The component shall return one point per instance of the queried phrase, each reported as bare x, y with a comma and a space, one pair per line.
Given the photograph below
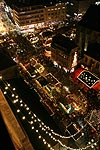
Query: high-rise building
32, 12
64, 52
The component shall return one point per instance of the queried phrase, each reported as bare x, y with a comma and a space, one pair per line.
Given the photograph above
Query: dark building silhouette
88, 38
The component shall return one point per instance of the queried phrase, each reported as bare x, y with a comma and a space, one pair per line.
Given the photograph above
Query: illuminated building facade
64, 52
25, 14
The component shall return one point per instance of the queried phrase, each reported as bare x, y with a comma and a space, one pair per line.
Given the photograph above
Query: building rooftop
25, 3
64, 43
91, 19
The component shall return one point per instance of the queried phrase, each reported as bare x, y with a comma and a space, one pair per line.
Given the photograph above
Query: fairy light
27, 108
32, 117
29, 113
32, 127
13, 89
5, 92
25, 105
16, 96
37, 131
12, 95
18, 110
92, 146
31, 122
92, 140
39, 136
6, 87
23, 117
21, 105
15, 101
48, 128
0, 77
49, 145
8, 84
20, 101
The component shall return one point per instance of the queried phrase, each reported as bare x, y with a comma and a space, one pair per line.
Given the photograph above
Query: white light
32, 117
23, 117
18, 110
16, 96
45, 142
32, 128
27, 108
39, 120
0, 77
82, 134
92, 140
35, 120
92, 146
29, 113
36, 130
21, 105
5, 92
49, 145
12, 95
8, 84
39, 137
14, 89
21, 101
31, 122
25, 105
6, 87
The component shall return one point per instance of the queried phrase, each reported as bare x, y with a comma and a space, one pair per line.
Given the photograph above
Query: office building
28, 12
64, 52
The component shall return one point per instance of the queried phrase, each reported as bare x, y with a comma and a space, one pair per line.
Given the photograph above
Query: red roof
97, 86
76, 73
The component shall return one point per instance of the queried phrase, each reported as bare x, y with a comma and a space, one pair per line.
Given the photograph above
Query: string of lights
32, 119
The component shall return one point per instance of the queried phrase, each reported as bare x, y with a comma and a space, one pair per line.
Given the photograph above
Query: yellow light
0, 77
